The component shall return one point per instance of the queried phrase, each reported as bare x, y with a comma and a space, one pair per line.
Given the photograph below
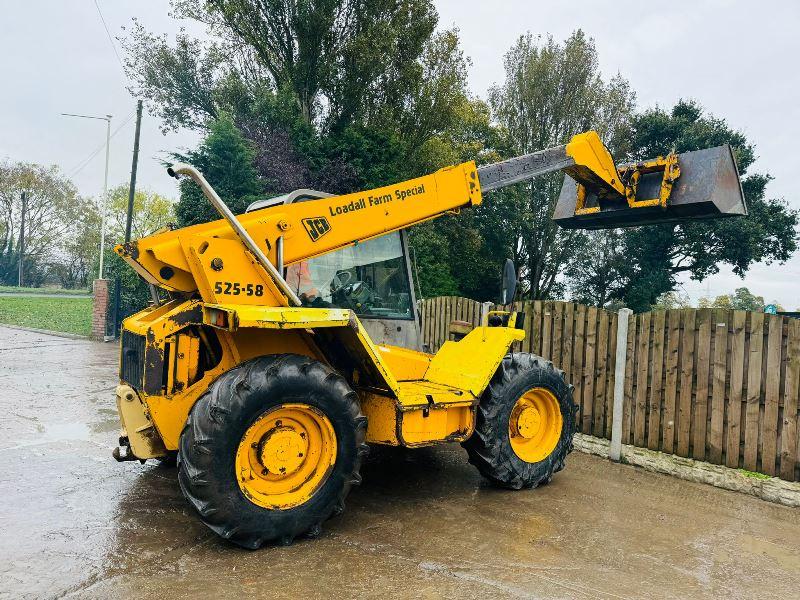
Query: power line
85, 162
81, 165
110, 38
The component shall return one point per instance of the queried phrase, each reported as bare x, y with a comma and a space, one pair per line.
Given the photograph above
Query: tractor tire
498, 448
214, 445
169, 460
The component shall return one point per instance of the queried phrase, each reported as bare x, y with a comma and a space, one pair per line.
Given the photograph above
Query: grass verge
65, 314
753, 474
49, 291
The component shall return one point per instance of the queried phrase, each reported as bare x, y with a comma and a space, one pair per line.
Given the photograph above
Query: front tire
524, 423
271, 449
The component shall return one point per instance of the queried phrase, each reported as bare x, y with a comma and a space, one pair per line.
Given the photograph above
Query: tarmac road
74, 523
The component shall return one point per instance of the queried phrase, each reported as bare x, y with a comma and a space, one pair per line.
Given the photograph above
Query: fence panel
789, 439
769, 432
654, 403
719, 326
630, 364
754, 359
611, 368
578, 353
702, 368
568, 345
670, 395
716, 385
733, 446
601, 373
642, 370
687, 381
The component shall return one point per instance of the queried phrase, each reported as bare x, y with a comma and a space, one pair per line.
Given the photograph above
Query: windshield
370, 278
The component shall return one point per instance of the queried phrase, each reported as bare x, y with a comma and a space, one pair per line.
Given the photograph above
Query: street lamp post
104, 202
20, 277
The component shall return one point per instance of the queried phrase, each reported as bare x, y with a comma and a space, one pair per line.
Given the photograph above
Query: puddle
109, 423
56, 432
786, 557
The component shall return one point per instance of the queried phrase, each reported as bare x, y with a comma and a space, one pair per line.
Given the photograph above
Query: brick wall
100, 308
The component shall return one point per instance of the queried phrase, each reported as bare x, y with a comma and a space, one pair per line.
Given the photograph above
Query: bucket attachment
703, 184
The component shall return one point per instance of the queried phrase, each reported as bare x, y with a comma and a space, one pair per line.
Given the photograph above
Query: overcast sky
736, 58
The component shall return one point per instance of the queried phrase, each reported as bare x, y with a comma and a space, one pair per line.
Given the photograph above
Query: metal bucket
708, 188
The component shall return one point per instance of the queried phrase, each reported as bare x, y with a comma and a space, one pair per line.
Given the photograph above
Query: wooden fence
711, 384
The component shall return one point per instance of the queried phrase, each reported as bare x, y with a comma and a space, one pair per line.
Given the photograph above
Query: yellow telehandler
287, 343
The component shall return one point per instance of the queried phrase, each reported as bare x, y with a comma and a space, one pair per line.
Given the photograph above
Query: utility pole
132, 188
129, 219
22, 239
104, 201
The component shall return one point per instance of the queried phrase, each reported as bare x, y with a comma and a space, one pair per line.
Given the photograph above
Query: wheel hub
285, 456
283, 450
535, 424
529, 422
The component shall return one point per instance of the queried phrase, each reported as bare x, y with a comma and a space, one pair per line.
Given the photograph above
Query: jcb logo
316, 227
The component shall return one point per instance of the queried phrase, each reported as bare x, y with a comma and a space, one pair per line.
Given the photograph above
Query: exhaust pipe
183, 169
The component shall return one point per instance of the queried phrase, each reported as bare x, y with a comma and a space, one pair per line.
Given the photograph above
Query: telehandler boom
260, 374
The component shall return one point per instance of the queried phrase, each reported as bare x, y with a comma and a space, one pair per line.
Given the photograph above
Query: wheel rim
534, 426
285, 456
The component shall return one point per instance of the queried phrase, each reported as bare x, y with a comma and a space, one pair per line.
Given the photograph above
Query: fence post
615, 449
485, 308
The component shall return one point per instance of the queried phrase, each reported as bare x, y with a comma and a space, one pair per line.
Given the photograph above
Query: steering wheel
341, 279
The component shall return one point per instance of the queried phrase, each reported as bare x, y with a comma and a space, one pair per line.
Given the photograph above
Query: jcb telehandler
268, 372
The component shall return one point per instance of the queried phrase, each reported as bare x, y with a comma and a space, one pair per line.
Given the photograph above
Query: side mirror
509, 285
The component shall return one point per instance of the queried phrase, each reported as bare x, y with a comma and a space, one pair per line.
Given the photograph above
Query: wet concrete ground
73, 523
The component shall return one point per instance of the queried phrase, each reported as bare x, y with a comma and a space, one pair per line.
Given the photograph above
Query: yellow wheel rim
285, 456
534, 426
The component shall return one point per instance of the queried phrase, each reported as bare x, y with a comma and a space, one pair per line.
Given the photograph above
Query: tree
740, 299
430, 250
463, 254
551, 92
134, 291
671, 300
659, 254
9, 261
226, 160
339, 61
51, 199
151, 212
77, 261
593, 277
51, 203
337, 95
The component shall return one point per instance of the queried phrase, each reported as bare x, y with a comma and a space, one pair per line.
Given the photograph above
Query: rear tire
490, 446
169, 460
223, 415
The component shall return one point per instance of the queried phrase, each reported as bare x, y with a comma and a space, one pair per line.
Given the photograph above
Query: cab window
369, 278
